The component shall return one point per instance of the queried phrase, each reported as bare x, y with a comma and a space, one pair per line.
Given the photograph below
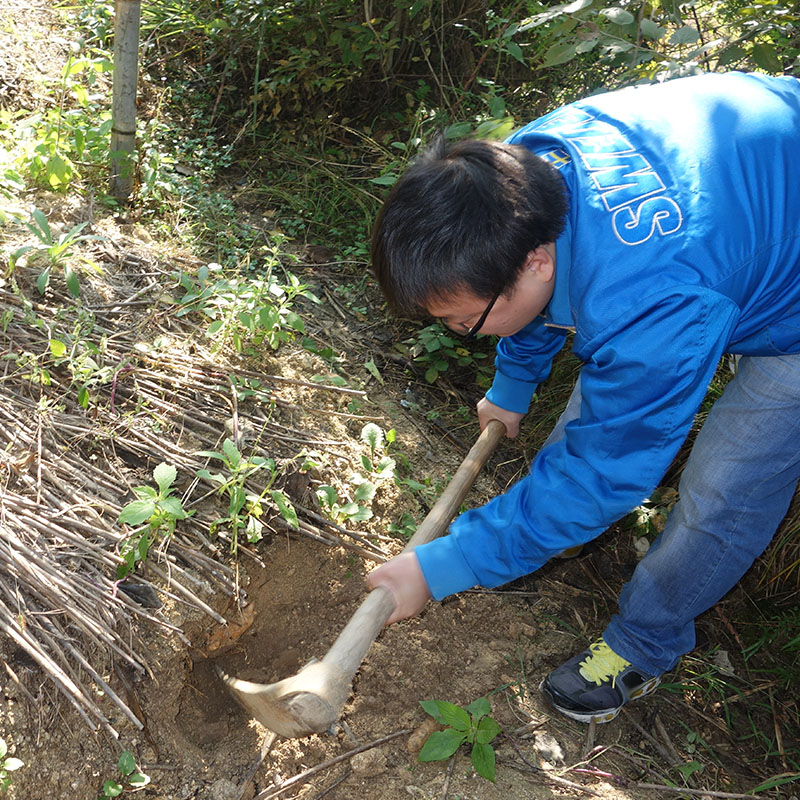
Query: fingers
402, 577
488, 411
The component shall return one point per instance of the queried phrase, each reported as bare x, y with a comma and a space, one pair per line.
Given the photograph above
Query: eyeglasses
473, 331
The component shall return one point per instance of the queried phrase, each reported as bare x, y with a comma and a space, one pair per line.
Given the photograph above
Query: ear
541, 262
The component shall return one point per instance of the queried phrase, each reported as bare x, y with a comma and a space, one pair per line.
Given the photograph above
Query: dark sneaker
595, 684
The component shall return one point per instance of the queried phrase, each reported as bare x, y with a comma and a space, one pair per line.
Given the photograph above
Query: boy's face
512, 311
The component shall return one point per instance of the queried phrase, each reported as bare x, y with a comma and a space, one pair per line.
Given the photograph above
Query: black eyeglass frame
473, 331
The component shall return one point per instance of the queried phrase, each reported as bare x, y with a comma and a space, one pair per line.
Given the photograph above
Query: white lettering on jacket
630, 188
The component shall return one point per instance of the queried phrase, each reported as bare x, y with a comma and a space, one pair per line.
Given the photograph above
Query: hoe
312, 700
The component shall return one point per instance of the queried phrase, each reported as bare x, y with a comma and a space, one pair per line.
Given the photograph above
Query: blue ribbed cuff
511, 394
444, 567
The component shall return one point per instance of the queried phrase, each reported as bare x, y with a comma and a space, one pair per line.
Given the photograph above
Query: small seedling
379, 467
245, 508
469, 725
7, 764
56, 250
131, 779
358, 510
158, 508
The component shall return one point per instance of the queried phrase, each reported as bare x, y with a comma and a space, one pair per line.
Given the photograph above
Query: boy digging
660, 224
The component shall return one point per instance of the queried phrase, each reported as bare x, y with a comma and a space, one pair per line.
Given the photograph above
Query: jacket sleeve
523, 361
641, 386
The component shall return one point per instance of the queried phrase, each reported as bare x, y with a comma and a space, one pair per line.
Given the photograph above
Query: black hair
464, 216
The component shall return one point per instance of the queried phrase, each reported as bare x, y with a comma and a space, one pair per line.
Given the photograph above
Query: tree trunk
123, 111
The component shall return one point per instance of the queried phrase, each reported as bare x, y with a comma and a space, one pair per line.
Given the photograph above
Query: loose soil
297, 595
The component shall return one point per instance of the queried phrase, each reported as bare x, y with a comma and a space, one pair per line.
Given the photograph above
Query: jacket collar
558, 313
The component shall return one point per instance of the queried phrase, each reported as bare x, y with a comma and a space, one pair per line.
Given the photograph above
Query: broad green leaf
651, 30
731, 55
389, 179
515, 51
112, 789
215, 477
165, 475
559, 54
441, 745
362, 515
232, 453
327, 495
685, 35
11, 764
57, 348
487, 730
364, 493
447, 713
254, 529
497, 107
137, 780
619, 16
585, 45
173, 507
59, 172
285, 507
689, 768
295, 322
145, 492
431, 374
17, 254
483, 761
333, 380
766, 57
480, 707
372, 435
137, 512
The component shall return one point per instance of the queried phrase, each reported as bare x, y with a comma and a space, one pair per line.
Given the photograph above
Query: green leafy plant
377, 467
130, 778
84, 358
438, 352
7, 764
382, 467
245, 507
339, 509
243, 309
57, 250
159, 509
468, 725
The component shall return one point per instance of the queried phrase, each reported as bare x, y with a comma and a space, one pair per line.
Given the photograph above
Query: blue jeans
734, 491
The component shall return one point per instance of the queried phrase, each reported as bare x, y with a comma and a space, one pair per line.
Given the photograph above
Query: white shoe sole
607, 714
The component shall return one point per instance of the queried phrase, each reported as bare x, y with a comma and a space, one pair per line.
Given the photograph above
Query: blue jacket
682, 243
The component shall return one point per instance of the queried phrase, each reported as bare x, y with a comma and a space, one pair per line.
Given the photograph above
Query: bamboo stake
123, 112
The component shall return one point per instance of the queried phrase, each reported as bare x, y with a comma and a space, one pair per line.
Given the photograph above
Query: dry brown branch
304, 776
66, 472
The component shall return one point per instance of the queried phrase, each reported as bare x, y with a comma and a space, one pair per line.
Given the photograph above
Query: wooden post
123, 110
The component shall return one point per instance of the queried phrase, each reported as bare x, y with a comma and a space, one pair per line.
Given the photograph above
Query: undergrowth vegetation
268, 128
